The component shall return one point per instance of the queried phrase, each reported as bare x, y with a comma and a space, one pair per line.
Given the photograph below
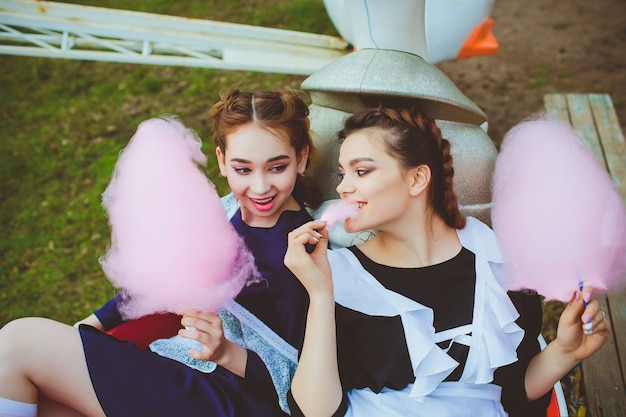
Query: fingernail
588, 327
577, 295
587, 297
318, 234
587, 318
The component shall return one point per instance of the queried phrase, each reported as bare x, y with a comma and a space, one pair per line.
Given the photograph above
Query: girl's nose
344, 187
260, 185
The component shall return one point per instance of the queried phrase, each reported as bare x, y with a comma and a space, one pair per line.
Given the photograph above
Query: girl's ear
221, 160
303, 158
419, 179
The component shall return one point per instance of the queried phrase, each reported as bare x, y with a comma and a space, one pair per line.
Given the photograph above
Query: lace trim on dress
245, 329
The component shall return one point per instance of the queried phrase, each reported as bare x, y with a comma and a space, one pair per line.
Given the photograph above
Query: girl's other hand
206, 328
582, 330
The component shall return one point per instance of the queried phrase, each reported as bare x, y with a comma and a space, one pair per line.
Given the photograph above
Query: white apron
493, 338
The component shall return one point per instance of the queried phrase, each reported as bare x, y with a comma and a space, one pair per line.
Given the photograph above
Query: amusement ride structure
383, 53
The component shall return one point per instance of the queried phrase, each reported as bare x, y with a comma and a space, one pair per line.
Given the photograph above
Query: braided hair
414, 139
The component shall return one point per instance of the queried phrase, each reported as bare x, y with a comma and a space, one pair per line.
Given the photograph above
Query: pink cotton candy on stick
172, 246
339, 211
557, 215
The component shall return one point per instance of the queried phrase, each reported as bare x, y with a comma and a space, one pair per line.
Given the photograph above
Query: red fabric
553, 407
147, 329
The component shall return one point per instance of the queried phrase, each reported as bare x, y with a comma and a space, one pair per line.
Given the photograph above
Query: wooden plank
603, 379
617, 309
582, 121
556, 107
611, 138
593, 118
614, 147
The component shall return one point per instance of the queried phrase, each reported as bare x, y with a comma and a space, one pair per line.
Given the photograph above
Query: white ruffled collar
480, 239
356, 289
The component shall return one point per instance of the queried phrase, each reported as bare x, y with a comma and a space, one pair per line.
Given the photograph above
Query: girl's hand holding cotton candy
172, 246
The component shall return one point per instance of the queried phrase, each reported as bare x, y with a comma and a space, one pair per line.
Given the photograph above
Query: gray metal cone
369, 76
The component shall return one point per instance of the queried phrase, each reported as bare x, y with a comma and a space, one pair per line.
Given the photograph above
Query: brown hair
281, 112
414, 139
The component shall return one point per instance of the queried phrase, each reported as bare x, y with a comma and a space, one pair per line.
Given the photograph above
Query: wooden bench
593, 117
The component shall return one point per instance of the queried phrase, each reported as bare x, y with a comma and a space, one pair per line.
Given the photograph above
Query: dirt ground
546, 46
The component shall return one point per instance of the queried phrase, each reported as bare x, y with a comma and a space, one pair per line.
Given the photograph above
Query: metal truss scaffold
68, 31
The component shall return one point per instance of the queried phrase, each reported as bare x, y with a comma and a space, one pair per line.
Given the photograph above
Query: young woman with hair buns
49, 368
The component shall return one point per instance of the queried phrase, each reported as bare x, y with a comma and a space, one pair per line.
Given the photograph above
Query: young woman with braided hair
415, 321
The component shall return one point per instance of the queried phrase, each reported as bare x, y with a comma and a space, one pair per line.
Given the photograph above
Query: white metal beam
61, 30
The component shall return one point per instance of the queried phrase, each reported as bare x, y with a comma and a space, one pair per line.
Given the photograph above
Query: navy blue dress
131, 382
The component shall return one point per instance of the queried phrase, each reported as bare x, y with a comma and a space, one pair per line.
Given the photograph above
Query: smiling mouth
262, 201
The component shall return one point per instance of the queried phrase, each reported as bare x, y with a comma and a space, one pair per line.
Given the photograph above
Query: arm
511, 377
316, 386
573, 344
91, 320
104, 318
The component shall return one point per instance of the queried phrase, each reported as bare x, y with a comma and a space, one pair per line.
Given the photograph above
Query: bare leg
44, 358
48, 408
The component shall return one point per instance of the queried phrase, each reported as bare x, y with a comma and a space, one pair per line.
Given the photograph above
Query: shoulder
480, 239
230, 204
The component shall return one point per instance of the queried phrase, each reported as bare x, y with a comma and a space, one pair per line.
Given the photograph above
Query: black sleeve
258, 379
109, 315
511, 377
296, 412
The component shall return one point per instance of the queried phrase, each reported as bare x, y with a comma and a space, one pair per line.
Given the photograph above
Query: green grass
62, 126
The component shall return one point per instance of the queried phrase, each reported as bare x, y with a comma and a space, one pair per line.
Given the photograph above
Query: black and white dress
425, 341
